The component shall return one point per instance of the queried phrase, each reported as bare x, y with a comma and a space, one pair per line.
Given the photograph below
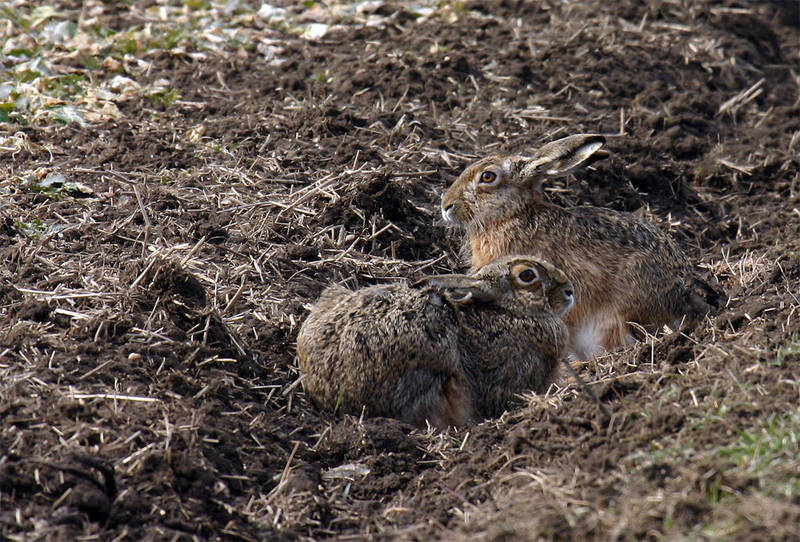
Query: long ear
564, 156
462, 289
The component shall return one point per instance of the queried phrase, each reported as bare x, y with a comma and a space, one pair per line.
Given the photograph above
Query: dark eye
488, 177
527, 276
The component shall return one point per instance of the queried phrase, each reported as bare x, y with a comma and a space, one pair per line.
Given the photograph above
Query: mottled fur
445, 349
624, 269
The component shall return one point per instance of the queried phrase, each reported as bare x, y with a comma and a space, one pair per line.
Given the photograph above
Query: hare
624, 269
445, 349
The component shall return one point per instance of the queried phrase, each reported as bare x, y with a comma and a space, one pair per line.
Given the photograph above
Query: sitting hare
624, 269
444, 349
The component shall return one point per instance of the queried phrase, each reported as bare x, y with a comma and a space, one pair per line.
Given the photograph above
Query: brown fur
624, 269
442, 350
490, 246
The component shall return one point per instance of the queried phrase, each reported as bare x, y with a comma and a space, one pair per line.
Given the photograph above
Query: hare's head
534, 279
496, 186
508, 278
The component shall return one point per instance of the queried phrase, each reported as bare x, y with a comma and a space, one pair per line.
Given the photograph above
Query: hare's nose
446, 212
569, 300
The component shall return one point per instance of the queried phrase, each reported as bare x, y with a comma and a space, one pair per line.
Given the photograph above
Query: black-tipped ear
461, 296
461, 289
566, 155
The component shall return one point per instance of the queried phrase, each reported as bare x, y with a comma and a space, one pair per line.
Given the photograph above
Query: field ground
180, 180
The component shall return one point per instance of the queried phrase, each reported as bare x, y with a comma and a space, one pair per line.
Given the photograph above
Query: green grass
792, 348
770, 455
772, 449
32, 92
33, 229
757, 464
164, 97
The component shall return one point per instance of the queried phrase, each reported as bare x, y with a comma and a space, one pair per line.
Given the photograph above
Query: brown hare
445, 349
624, 269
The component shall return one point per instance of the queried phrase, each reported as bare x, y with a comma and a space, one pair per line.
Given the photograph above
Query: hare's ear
564, 156
461, 289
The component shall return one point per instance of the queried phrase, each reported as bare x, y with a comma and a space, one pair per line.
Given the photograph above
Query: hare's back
381, 348
625, 269
621, 229
618, 254
378, 332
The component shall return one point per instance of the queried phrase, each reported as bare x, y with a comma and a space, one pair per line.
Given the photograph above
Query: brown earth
215, 221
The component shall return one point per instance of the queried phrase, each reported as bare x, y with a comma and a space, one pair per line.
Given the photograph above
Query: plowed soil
149, 382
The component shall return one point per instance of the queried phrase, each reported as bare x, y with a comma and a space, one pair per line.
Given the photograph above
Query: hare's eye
527, 276
488, 177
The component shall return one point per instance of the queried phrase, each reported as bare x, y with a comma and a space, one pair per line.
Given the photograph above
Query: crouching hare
445, 349
624, 269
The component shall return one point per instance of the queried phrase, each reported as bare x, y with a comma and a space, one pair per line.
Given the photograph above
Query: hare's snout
447, 213
455, 212
562, 298
568, 300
